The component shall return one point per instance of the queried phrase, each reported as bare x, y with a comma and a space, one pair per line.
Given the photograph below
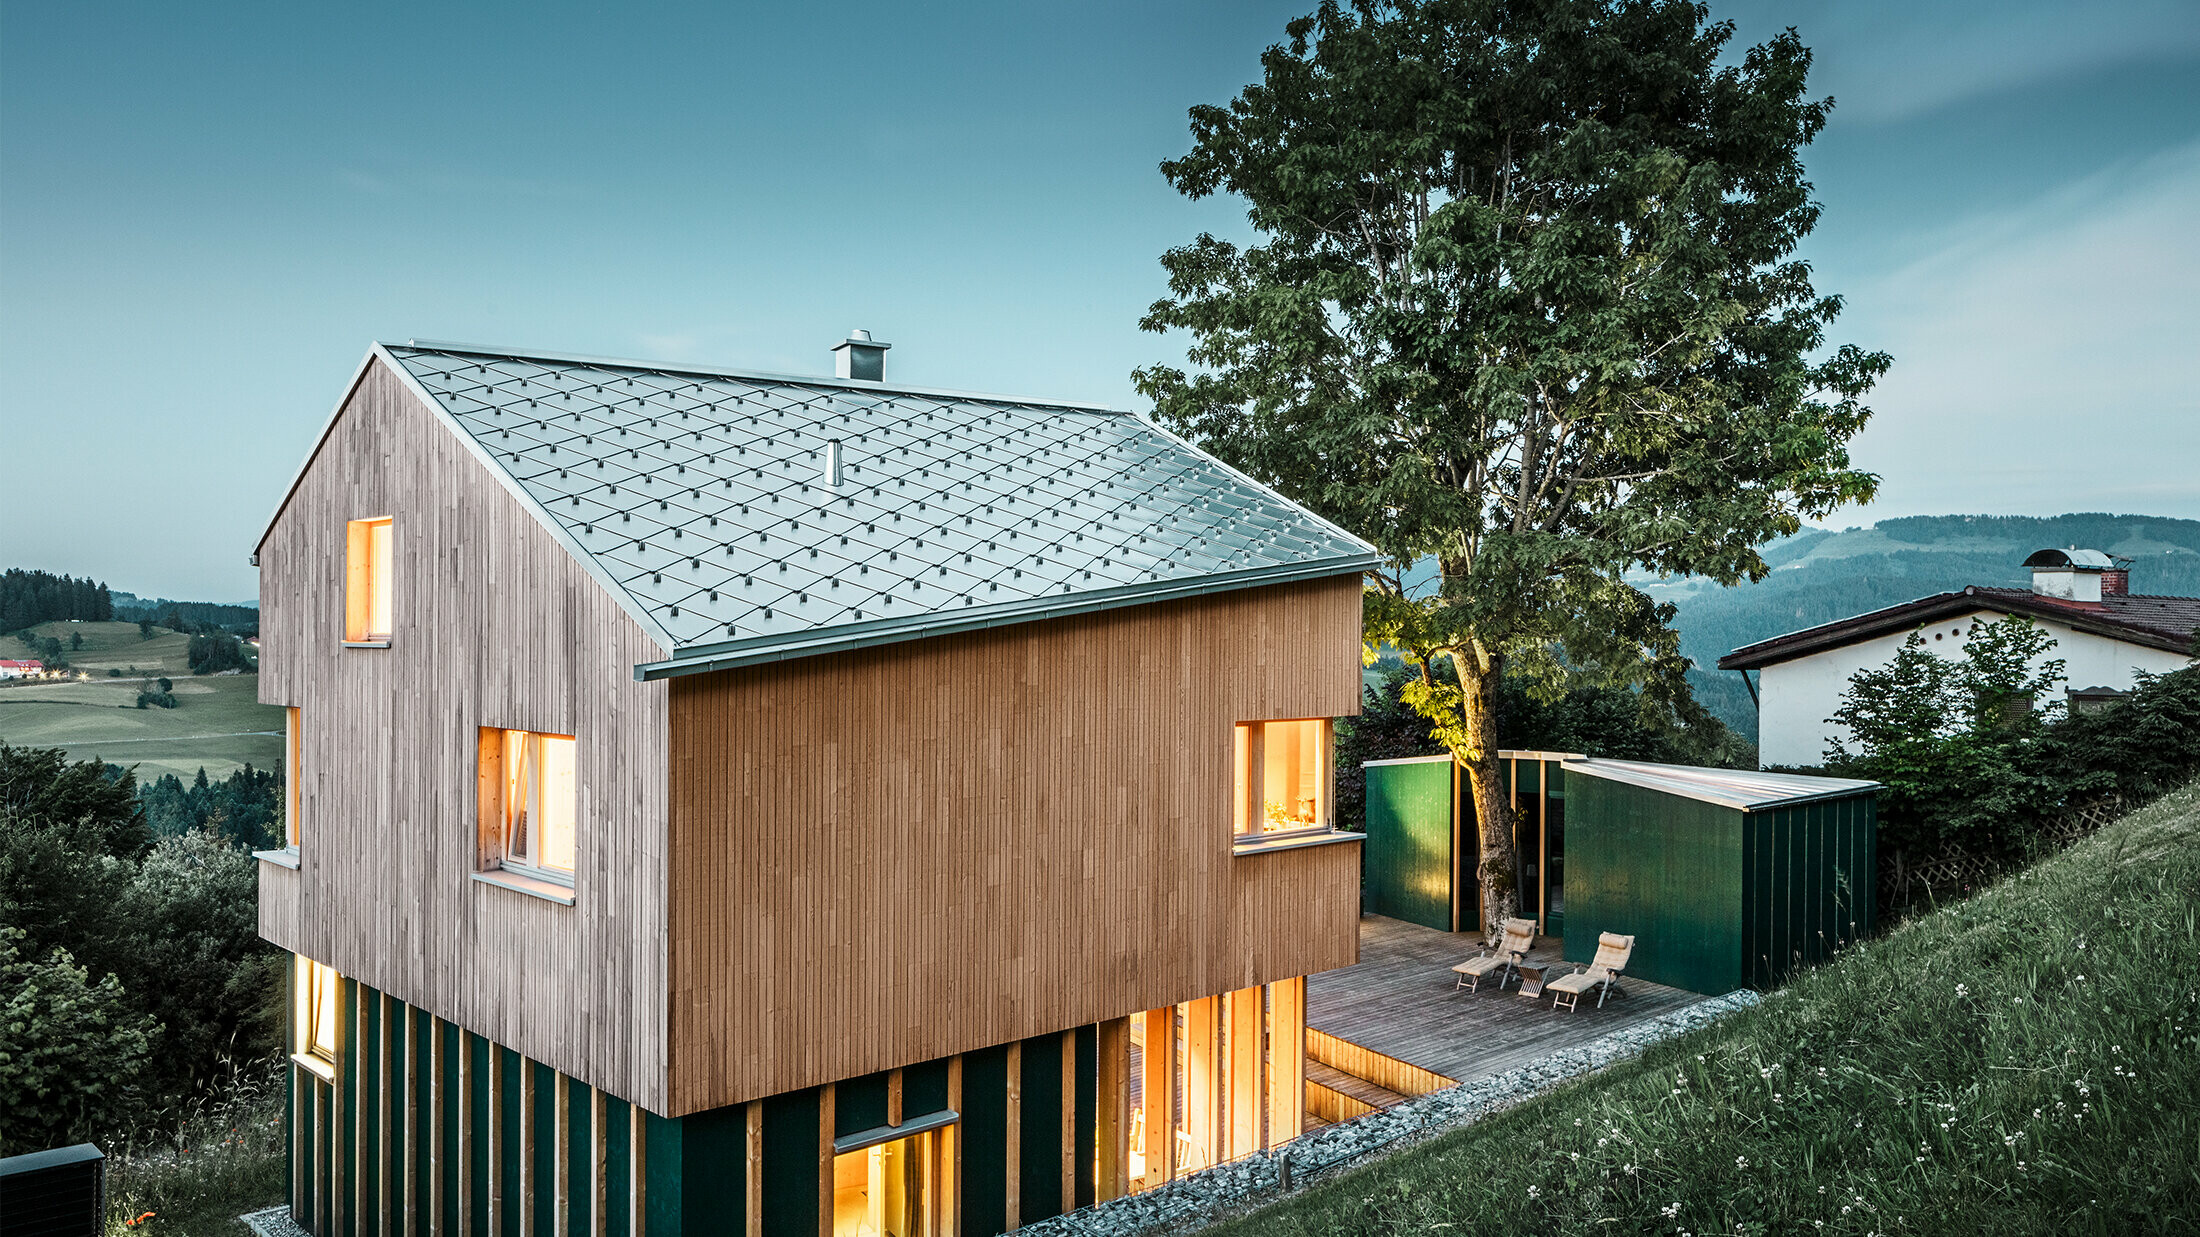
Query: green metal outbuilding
1726, 878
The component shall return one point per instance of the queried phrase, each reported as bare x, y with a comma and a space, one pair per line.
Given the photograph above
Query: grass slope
218, 723
2024, 1062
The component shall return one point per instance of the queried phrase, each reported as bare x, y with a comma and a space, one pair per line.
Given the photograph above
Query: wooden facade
883, 856
494, 625
964, 860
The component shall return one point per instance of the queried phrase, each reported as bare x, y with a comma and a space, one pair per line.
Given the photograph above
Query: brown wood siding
495, 625
896, 854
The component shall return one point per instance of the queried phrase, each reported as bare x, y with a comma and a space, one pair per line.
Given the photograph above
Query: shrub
70, 1049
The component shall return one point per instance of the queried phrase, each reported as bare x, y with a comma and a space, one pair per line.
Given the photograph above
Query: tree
1524, 303
76, 641
69, 1048
145, 629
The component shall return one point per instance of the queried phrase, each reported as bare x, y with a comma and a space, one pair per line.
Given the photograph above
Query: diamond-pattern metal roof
702, 498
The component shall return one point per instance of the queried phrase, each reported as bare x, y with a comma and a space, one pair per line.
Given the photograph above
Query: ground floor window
313, 996
901, 1188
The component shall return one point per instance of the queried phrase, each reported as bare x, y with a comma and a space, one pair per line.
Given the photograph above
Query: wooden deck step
1368, 1093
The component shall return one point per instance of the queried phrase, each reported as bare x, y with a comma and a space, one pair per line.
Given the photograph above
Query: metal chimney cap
860, 357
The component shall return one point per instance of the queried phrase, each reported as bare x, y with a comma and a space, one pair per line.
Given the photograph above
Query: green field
218, 723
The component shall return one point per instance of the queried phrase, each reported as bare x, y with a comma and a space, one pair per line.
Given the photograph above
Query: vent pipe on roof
832, 463
859, 358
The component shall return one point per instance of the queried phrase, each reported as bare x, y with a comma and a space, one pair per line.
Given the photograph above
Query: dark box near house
57, 1193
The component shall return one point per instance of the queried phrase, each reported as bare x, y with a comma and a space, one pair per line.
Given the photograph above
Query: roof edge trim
732, 655
723, 371
1909, 615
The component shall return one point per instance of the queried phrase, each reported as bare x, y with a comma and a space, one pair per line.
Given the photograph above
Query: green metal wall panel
985, 1142
1408, 854
508, 1131
790, 1170
1664, 869
1810, 870
860, 1104
924, 1087
1041, 1150
1088, 1128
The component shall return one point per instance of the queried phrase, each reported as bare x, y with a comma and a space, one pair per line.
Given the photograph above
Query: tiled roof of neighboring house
21, 665
700, 498
1745, 789
2166, 623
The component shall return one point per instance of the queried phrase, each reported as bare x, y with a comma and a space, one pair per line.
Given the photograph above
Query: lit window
894, 1189
290, 778
369, 562
314, 993
529, 780
1282, 781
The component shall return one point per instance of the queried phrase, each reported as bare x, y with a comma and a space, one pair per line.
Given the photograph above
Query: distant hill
1820, 575
242, 619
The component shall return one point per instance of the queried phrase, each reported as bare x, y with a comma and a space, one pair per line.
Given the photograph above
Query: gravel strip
1265, 1176
273, 1222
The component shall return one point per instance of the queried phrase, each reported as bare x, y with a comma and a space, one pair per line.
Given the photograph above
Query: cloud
1889, 62
2043, 354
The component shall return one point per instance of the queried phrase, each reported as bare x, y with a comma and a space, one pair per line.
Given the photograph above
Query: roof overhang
734, 654
2093, 618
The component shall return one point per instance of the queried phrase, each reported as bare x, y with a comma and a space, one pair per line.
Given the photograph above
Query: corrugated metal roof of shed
1744, 789
699, 497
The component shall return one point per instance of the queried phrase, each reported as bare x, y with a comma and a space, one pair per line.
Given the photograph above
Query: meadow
218, 723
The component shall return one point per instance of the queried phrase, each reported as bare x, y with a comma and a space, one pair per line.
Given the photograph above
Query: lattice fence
1955, 872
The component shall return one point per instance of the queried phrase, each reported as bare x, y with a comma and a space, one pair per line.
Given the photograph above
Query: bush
214, 652
222, 1156
156, 699
70, 1049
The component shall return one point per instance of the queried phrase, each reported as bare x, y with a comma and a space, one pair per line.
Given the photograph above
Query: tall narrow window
291, 742
313, 993
530, 802
369, 565
1282, 776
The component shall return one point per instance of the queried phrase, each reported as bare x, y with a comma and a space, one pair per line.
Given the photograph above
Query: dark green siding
1408, 854
790, 1162
1663, 869
1811, 868
1041, 1151
985, 1142
1088, 1127
860, 1104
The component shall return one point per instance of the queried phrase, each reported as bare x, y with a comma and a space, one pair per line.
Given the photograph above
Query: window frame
369, 574
293, 771
494, 784
1245, 830
316, 994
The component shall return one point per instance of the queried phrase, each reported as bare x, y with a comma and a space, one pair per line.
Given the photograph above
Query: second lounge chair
1613, 953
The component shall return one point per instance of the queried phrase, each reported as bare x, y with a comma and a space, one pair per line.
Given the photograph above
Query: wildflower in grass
1741, 1161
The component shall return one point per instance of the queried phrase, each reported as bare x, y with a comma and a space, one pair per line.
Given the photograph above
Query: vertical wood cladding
494, 625
896, 854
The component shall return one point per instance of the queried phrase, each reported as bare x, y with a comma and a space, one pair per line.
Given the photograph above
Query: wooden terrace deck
1399, 1000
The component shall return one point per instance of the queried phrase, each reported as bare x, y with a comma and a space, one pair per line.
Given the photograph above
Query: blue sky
206, 212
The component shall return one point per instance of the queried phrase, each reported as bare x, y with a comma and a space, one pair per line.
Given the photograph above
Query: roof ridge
452, 347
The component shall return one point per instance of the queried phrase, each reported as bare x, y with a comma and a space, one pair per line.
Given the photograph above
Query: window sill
319, 1067
367, 644
1293, 841
285, 858
548, 891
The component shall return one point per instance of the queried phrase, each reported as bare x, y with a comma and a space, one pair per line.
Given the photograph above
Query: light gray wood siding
495, 625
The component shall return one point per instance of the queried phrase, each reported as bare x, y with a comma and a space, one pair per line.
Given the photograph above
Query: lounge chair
1500, 958
1613, 952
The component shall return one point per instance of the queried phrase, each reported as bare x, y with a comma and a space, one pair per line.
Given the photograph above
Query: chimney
859, 358
2070, 575
2116, 581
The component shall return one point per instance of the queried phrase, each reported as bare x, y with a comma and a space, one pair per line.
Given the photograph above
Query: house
732, 802
2104, 633
22, 669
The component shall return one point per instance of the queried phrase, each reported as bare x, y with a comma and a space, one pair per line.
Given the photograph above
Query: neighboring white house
12, 669
2102, 632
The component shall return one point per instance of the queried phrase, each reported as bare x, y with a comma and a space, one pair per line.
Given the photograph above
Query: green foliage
245, 807
170, 927
2023, 1062
52, 654
28, 598
222, 1156
1524, 301
214, 652
145, 629
160, 699
2142, 747
70, 1049
1950, 737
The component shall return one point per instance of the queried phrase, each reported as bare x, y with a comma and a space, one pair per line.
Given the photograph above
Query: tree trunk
1495, 872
